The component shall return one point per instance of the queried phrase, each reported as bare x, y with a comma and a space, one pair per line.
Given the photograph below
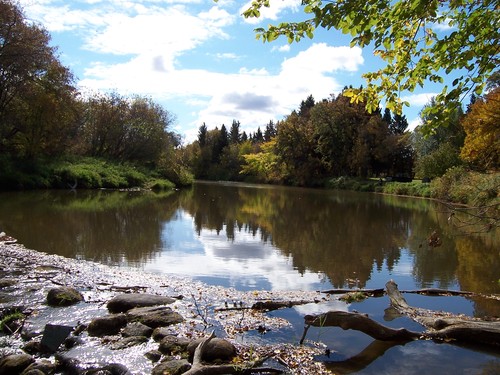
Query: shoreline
34, 273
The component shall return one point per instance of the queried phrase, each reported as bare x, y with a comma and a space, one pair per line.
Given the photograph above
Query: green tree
404, 35
234, 133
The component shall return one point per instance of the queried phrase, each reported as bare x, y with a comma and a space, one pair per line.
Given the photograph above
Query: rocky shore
66, 316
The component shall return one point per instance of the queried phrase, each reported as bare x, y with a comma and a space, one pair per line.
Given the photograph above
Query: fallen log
368, 292
359, 322
446, 326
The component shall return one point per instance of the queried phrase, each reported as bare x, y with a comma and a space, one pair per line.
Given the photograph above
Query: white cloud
283, 48
419, 99
276, 9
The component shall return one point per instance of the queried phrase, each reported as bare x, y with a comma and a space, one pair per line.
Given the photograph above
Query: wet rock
53, 336
63, 296
107, 325
173, 345
127, 342
15, 363
174, 367
4, 283
153, 355
157, 316
67, 364
137, 329
161, 332
33, 347
72, 341
125, 302
40, 367
216, 349
117, 369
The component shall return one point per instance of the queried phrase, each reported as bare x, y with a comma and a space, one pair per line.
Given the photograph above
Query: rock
127, 342
117, 369
153, 355
40, 367
161, 332
33, 347
156, 316
125, 302
175, 367
4, 283
171, 344
54, 335
137, 329
216, 349
72, 341
107, 325
63, 296
15, 363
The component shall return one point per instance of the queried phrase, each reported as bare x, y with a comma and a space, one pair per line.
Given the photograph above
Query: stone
153, 355
107, 325
63, 296
127, 342
156, 316
175, 367
125, 302
43, 366
171, 344
4, 283
216, 349
161, 332
137, 329
15, 363
54, 335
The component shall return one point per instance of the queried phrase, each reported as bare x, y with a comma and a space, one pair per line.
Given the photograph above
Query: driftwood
367, 292
441, 326
445, 326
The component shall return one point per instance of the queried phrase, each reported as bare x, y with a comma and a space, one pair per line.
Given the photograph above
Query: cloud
419, 99
283, 48
274, 11
249, 101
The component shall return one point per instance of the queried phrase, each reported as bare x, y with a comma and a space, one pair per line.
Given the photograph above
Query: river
256, 237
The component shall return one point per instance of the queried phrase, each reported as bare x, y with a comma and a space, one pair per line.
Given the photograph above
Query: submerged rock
125, 302
107, 325
63, 296
156, 316
127, 342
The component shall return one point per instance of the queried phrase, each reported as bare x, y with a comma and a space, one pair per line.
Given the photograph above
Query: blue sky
200, 59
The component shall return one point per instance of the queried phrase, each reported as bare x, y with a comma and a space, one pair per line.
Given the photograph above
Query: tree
202, 135
234, 133
404, 34
270, 131
482, 128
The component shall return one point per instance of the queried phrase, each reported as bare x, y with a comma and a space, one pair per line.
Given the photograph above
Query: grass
79, 172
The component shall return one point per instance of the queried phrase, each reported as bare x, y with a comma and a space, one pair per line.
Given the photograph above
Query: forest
53, 135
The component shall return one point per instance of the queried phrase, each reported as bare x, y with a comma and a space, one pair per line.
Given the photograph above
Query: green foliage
404, 35
436, 163
414, 189
160, 185
355, 184
10, 318
460, 185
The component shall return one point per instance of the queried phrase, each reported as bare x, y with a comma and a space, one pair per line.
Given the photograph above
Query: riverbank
28, 275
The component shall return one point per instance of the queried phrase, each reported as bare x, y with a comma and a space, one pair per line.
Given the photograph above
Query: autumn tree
406, 37
482, 127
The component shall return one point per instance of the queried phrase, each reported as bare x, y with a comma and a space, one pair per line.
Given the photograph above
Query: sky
200, 59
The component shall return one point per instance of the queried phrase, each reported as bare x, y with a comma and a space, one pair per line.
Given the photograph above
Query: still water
253, 237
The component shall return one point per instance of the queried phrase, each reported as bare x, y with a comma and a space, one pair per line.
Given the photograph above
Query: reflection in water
259, 237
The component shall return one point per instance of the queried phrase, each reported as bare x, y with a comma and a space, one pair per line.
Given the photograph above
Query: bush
414, 189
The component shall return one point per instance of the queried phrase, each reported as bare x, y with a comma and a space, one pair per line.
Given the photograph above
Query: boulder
15, 363
63, 296
127, 342
171, 345
216, 349
137, 329
153, 355
161, 332
107, 325
40, 367
156, 316
174, 367
125, 302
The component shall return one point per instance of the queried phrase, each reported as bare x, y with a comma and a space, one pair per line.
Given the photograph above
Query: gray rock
7, 282
125, 302
171, 344
161, 332
127, 342
156, 316
15, 363
54, 335
153, 355
175, 367
63, 296
137, 329
107, 325
216, 349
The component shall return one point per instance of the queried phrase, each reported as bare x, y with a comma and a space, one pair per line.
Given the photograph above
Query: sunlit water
275, 238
